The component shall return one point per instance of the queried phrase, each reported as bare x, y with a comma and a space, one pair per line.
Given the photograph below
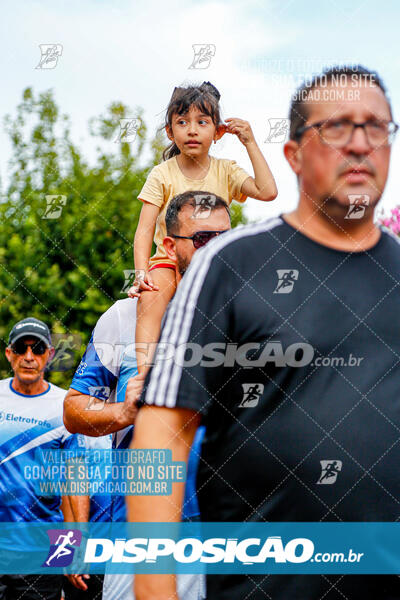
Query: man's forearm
80, 506
158, 427
83, 414
66, 509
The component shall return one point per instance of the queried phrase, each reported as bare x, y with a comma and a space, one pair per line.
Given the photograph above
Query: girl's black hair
205, 97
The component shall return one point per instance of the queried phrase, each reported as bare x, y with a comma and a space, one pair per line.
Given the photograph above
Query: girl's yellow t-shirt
165, 181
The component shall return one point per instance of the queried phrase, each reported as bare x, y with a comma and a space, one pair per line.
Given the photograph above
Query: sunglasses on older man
200, 238
20, 347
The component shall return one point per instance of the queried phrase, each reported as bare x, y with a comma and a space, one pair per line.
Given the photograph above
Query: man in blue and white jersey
102, 397
30, 419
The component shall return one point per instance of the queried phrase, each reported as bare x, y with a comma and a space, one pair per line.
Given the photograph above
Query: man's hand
132, 395
78, 581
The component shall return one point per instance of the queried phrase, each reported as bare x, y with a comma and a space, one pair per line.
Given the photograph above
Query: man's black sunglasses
200, 238
20, 347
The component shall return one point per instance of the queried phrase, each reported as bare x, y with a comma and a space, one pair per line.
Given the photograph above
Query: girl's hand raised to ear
242, 129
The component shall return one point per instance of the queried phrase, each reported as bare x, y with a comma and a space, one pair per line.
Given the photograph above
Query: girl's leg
150, 310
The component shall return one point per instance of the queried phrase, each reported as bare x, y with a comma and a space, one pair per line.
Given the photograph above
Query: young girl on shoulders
193, 122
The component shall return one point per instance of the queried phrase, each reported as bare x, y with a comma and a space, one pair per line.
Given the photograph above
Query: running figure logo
203, 54
49, 55
252, 394
286, 279
131, 275
204, 204
278, 130
65, 345
99, 394
54, 206
128, 130
62, 546
358, 203
330, 471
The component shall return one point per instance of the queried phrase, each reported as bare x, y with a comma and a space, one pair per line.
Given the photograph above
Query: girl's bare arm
143, 241
144, 235
262, 186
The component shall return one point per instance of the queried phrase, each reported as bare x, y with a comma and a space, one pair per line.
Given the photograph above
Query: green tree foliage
68, 270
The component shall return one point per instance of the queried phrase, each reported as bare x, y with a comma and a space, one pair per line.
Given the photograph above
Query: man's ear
169, 245
292, 152
168, 131
219, 132
8, 354
51, 354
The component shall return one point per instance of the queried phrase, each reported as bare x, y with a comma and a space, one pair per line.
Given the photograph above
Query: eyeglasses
200, 238
339, 132
20, 347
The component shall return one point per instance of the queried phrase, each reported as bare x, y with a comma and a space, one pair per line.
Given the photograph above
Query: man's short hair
299, 108
202, 202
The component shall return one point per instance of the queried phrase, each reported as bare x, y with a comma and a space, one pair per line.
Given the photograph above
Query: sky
137, 53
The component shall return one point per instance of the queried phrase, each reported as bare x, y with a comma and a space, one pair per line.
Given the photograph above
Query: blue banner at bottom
214, 548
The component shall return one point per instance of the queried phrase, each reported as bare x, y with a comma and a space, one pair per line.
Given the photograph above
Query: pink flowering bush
393, 221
